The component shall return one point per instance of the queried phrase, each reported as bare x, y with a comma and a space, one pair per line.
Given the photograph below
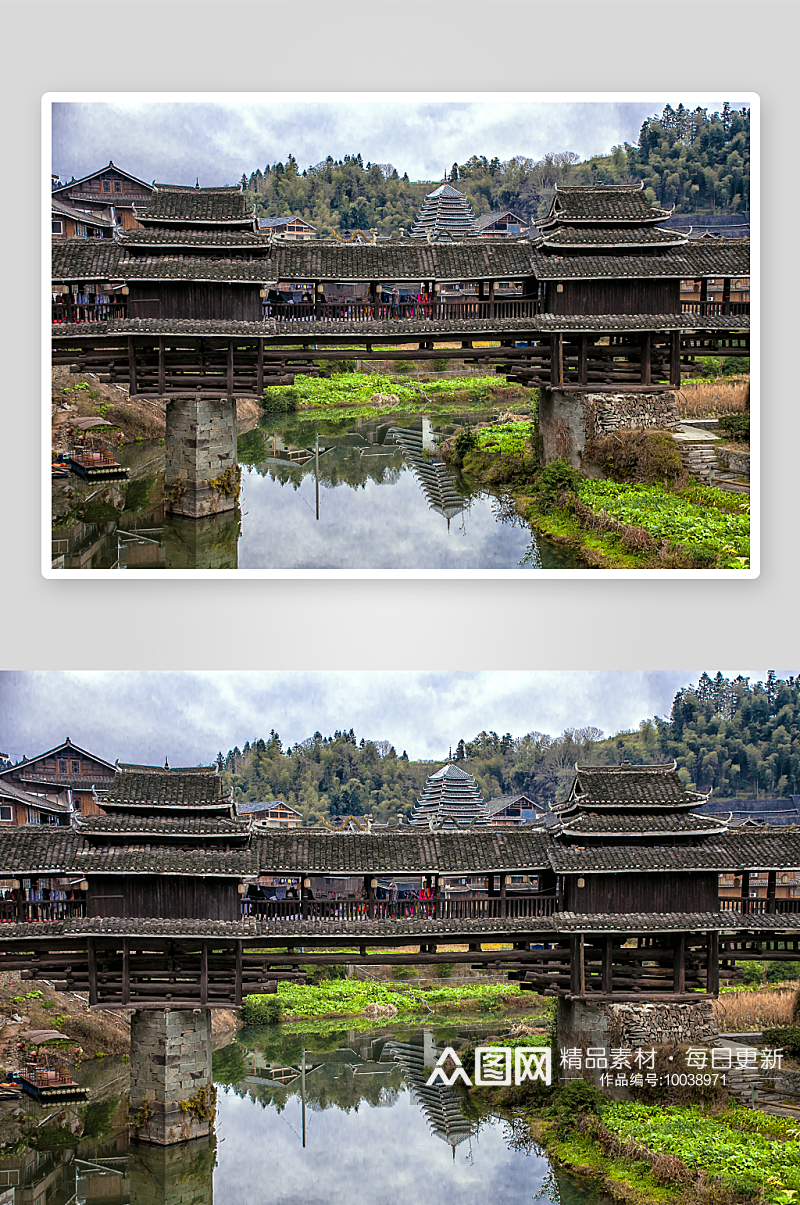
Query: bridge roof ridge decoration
154, 789
450, 797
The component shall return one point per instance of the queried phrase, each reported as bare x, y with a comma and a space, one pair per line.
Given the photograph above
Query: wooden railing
69, 311
418, 311
437, 908
759, 905
41, 910
715, 309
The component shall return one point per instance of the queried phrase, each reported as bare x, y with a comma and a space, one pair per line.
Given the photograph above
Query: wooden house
68, 222
499, 225
168, 846
107, 187
513, 809
274, 814
293, 228
22, 807
65, 776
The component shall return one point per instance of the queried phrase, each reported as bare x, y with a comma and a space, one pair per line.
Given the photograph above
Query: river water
347, 493
334, 1118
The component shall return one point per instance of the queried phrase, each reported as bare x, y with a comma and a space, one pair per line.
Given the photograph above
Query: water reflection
362, 493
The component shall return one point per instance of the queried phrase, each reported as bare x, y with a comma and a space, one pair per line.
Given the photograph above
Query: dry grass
738, 1012
709, 399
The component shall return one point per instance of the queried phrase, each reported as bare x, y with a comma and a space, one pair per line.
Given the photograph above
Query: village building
294, 228
64, 778
108, 187
499, 225
273, 814
513, 809
23, 807
451, 797
68, 222
445, 211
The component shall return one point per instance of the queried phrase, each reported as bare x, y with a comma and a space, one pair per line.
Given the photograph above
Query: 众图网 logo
495, 1066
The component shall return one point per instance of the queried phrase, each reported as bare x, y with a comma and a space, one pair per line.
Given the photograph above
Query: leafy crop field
356, 389
351, 996
733, 1145
508, 438
701, 518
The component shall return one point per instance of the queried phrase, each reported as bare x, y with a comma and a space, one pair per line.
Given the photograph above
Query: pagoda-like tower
451, 796
445, 211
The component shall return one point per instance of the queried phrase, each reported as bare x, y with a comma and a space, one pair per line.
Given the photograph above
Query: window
5, 812
106, 186
80, 230
34, 816
76, 767
117, 186
57, 226
62, 767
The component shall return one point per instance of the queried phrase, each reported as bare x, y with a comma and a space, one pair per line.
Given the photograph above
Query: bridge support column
172, 1095
202, 472
177, 1175
568, 420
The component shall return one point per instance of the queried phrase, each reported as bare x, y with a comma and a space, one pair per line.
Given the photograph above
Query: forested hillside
738, 737
697, 161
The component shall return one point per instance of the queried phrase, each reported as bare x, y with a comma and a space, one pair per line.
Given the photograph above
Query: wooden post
237, 990
772, 883
161, 373
230, 368
745, 892
316, 298
575, 966
712, 970
675, 358
204, 975
491, 299
726, 295
704, 295
583, 370
503, 902
646, 352
91, 958
260, 369
126, 970
608, 980
679, 966
132, 366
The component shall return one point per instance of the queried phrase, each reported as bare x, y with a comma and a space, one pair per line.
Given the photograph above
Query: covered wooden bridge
192, 302
622, 899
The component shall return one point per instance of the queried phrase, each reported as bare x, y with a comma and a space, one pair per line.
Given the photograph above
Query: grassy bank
356, 395
658, 518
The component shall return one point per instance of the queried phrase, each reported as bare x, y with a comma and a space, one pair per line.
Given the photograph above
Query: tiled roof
402, 259
602, 203
600, 323
411, 851
163, 326
166, 859
489, 219
612, 236
660, 824
79, 259
169, 236
189, 787
32, 849
195, 267
170, 203
63, 782
165, 826
638, 787
753, 850
760, 811
690, 261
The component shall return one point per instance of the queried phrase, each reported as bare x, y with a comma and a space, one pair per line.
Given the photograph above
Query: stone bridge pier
202, 472
172, 1093
569, 419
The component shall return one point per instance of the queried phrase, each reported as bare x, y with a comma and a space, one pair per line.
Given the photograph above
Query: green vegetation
735, 426
787, 1037
745, 1160
262, 1010
348, 389
708, 534
509, 438
349, 997
695, 160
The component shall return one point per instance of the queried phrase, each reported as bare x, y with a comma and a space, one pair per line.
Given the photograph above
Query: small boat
95, 464
46, 1085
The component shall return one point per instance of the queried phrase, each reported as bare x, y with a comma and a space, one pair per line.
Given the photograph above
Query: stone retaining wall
568, 421
734, 461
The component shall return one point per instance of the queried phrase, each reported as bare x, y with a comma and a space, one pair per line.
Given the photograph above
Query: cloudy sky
189, 716
175, 141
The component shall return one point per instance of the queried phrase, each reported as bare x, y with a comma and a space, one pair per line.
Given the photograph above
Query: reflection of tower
435, 478
440, 1104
